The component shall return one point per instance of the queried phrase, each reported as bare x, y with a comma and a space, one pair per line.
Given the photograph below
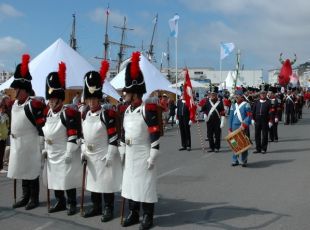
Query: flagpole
176, 68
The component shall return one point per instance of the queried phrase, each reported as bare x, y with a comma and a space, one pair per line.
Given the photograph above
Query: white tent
48, 61
195, 84
154, 80
229, 81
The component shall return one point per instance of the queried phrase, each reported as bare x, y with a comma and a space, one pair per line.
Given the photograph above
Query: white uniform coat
139, 183
100, 178
25, 155
60, 176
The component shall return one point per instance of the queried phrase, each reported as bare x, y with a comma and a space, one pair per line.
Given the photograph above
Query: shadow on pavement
173, 213
267, 163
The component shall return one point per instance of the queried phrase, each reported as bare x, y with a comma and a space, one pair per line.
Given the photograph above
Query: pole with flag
226, 49
188, 96
174, 30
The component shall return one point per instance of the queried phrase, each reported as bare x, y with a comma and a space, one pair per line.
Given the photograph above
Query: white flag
173, 24
226, 49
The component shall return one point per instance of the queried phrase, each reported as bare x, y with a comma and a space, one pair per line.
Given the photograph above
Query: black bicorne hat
93, 81
56, 83
134, 80
22, 76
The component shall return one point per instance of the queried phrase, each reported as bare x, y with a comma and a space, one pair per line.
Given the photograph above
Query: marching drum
238, 141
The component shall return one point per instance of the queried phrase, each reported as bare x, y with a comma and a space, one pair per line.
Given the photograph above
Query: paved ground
202, 191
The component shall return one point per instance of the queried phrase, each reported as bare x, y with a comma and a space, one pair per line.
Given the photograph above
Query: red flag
188, 97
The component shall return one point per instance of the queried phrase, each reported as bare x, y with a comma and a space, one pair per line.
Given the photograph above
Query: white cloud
10, 49
261, 29
7, 10
10, 45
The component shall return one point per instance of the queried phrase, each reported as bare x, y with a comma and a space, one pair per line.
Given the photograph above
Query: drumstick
200, 136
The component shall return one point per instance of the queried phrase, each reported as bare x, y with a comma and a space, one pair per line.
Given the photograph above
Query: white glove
41, 143
122, 150
276, 120
151, 160
190, 122
44, 154
112, 150
177, 122
205, 117
222, 122
269, 124
253, 122
83, 153
71, 148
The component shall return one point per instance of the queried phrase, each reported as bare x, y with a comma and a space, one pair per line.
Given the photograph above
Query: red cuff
153, 129
151, 107
245, 125
40, 121
111, 131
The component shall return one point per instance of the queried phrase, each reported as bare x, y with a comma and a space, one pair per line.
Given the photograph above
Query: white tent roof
48, 61
154, 80
195, 84
229, 81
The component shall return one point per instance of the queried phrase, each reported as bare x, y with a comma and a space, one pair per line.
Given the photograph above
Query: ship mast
73, 42
150, 52
168, 61
106, 36
121, 44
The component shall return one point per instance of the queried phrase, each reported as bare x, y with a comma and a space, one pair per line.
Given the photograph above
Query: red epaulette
151, 107
37, 104
70, 112
111, 113
45, 110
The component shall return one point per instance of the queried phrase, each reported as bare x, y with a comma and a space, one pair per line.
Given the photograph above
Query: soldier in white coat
104, 169
26, 137
62, 152
139, 148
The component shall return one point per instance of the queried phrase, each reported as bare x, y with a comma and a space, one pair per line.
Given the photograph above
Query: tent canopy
154, 80
48, 61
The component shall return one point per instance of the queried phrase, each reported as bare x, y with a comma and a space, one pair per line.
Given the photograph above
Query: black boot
34, 194
108, 207
60, 203
96, 210
71, 194
148, 213
133, 216
23, 201
147, 222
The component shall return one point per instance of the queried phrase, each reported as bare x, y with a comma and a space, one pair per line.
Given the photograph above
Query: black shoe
131, 219
217, 150
188, 148
181, 149
59, 206
92, 212
276, 140
146, 223
234, 164
257, 151
21, 203
264, 151
32, 204
71, 209
211, 150
107, 214
244, 164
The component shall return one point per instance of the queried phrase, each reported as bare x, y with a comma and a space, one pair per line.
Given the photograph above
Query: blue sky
260, 29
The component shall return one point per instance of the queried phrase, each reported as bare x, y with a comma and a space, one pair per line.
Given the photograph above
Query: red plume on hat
62, 74
24, 65
135, 68
103, 70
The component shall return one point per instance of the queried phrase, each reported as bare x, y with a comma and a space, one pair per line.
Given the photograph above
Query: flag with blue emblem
226, 49
173, 24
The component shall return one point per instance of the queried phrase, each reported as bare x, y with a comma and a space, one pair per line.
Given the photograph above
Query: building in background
5, 75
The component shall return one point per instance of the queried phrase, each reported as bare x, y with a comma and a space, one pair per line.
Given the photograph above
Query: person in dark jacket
184, 122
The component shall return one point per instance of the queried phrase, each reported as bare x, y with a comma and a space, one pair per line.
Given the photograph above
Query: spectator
4, 130
172, 108
77, 99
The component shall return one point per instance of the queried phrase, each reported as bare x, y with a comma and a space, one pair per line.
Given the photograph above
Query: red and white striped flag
188, 96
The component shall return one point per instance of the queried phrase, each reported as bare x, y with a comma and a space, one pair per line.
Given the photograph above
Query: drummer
240, 117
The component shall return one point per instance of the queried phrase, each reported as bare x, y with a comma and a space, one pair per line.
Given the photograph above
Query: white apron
60, 176
139, 183
25, 155
99, 178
